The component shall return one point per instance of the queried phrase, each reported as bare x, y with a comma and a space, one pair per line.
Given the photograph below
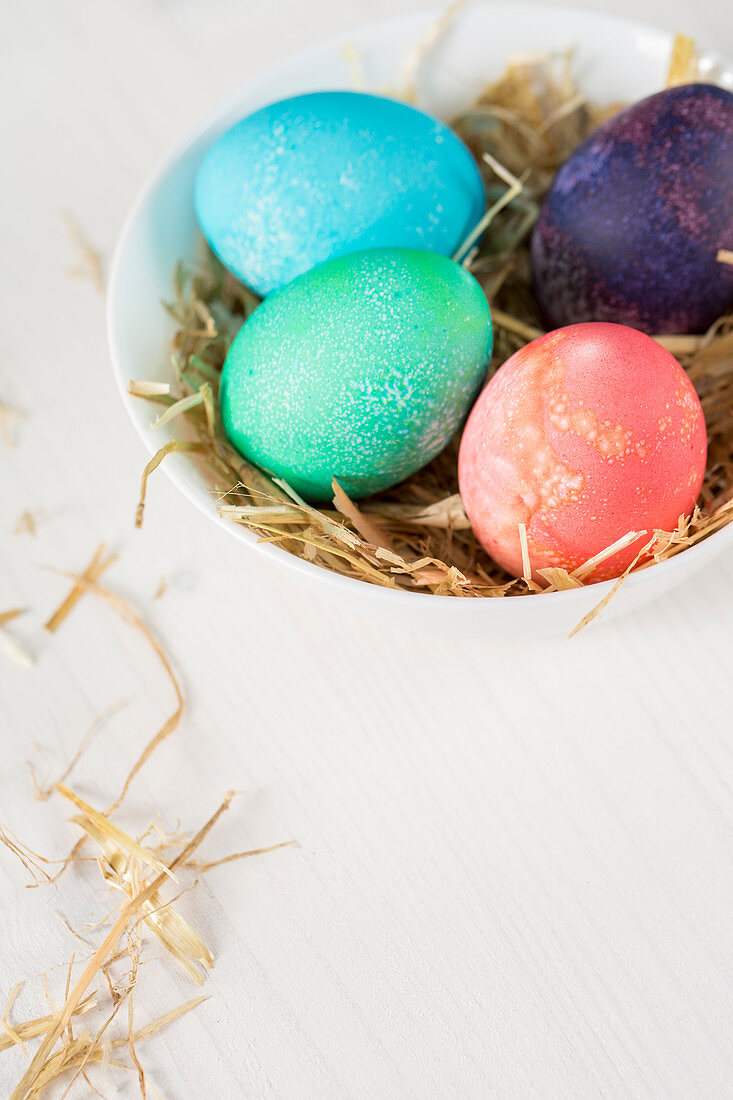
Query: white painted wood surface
514, 872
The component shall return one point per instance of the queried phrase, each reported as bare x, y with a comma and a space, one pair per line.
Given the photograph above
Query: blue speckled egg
362, 369
630, 229
321, 175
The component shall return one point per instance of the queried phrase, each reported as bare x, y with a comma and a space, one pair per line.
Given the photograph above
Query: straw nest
416, 537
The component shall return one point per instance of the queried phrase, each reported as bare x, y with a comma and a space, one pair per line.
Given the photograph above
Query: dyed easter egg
630, 229
362, 369
584, 435
321, 175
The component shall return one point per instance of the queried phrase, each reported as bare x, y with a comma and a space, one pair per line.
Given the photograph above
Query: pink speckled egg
584, 435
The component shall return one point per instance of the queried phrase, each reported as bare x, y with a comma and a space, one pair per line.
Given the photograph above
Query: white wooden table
515, 866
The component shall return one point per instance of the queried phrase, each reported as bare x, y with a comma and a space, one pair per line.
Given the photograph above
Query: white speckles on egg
329, 173
361, 369
573, 438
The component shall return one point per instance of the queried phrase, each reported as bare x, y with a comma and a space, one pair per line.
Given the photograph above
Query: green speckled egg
362, 369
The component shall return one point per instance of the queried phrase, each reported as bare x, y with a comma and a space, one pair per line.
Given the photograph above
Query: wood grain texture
514, 873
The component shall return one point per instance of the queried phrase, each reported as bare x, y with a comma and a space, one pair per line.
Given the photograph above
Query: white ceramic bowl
615, 59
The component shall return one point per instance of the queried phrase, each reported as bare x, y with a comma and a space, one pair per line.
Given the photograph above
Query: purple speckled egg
630, 229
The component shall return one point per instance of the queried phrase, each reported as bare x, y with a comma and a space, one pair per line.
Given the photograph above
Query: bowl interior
614, 59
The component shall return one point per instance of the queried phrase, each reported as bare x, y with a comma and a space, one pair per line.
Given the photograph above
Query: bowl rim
706, 548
